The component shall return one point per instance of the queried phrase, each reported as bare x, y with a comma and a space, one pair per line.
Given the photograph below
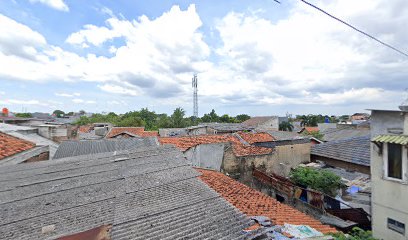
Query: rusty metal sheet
99, 233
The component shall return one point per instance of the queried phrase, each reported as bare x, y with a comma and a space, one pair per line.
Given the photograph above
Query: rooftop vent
404, 104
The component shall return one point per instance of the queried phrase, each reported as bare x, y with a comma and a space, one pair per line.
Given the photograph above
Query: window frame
404, 164
394, 227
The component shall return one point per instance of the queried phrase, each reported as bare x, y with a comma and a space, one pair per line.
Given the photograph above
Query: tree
242, 117
177, 118
83, 120
321, 180
82, 112
24, 115
131, 122
286, 126
355, 234
58, 113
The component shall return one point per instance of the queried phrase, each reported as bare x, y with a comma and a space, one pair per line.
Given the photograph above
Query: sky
257, 57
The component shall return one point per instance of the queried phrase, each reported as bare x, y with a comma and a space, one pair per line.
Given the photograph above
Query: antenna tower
195, 98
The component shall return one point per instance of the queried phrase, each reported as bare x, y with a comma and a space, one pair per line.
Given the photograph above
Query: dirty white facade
389, 172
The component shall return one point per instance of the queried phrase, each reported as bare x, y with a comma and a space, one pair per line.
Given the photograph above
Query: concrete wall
389, 198
280, 161
197, 131
206, 155
271, 124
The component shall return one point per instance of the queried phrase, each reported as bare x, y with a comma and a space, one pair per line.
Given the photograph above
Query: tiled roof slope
354, 150
311, 129
255, 121
151, 193
255, 203
334, 134
77, 148
139, 131
284, 135
257, 137
10, 145
184, 143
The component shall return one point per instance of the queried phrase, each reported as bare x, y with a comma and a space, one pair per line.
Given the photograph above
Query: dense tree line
153, 121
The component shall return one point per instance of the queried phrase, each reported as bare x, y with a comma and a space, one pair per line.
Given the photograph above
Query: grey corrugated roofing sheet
227, 127
284, 135
148, 193
335, 134
77, 148
354, 150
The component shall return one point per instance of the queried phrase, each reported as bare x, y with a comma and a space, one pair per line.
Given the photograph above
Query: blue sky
255, 57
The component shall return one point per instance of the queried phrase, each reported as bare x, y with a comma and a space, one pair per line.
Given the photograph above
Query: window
394, 161
396, 226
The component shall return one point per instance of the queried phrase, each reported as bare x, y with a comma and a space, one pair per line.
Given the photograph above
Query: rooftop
10, 145
226, 127
354, 150
86, 147
239, 148
255, 121
284, 135
138, 131
334, 134
150, 193
255, 203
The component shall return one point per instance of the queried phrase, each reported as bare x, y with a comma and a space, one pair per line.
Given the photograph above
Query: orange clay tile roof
10, 145
312, 129
139, 131
239, 149
254, 138
254, 203
84, 129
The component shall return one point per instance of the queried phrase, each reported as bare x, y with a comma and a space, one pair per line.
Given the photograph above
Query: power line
358, 30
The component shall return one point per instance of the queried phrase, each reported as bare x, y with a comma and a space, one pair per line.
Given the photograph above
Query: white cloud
119, 90
78, 100
69, 95
56, 4
24, 102
2, 93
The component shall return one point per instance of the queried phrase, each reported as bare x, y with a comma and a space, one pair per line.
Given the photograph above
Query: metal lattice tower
195, 98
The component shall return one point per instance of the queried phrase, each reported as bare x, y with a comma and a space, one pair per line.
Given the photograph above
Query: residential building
129, 132
58, 132
149, 193
389, 163
352, 154
237, 154
340, 133
43, 145
265, 123
14, 150
172, 132
359, 117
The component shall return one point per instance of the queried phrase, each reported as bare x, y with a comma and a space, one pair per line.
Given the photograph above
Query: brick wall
41, 157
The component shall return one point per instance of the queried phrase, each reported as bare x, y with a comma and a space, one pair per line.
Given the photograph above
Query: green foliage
24, 115
312, 120
242, 117
286, 126
315, 134
321, 180
58, 113
153, 121
355, 234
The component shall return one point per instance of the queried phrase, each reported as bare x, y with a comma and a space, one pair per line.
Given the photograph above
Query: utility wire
358, 30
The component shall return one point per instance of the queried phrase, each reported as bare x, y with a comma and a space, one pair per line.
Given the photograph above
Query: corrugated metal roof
397, 139
77, 148
152, 193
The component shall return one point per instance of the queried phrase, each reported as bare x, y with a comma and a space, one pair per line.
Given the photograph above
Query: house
359, 117
389, 173
149, 193
265, 123
340, 133
352, 154
14, 150
237, 154
58, 132
129, 132
43, 146
254, 203
172, 132
87, 147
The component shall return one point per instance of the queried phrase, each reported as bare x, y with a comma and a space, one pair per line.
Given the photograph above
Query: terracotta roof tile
139, 131
239, 149
311, 129
84, 129
10, 145
254, 138
254, 203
